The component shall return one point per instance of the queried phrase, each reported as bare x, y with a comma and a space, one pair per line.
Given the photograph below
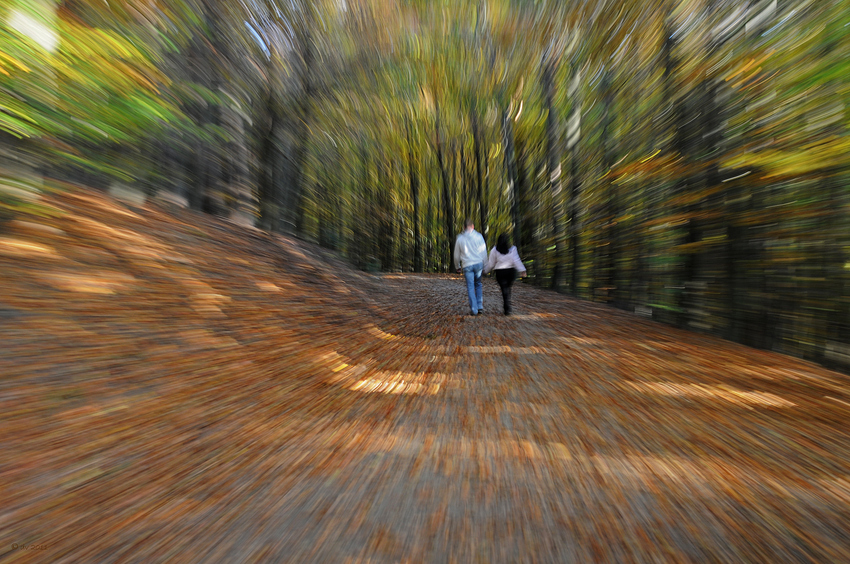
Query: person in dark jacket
504, 261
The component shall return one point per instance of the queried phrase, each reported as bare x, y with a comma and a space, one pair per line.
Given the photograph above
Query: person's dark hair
468, 223
503, 244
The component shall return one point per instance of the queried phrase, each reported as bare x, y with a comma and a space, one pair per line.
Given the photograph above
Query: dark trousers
505, 277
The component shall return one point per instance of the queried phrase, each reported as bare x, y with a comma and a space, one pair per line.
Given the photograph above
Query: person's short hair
468, 223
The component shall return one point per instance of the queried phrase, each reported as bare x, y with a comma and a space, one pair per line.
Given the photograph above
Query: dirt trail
175, 389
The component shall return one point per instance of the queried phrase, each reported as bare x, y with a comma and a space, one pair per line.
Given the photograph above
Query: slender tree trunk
385, 215
689, 265
573, 137
196, 164
302, 119
735, 263
539, 222
476, 147
322, 223
213, 171
464, 180
677, 150
414, 193
638, 288
526, 227
341, 220
610, 275
244, 210
574, 223
827, 290
362, 226
451, 165
839, 318
269, 197
553, 158
429, 228
706, 138
448, 212
511, 170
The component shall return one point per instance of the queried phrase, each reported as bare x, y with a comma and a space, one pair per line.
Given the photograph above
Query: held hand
523, 274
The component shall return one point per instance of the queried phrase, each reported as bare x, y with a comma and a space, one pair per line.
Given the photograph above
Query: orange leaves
23, 248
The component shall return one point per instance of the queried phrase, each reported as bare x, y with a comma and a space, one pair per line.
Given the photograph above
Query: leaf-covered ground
177, 389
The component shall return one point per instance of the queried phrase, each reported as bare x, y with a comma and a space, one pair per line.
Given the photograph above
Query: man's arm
491, 261
457, 253
482, 249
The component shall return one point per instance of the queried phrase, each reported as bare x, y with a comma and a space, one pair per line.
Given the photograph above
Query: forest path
196, 393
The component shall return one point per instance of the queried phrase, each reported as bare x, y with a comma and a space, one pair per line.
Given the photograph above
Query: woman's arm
491, 261
514, 254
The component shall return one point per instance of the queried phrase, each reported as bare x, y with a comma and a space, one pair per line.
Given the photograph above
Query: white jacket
498, 261
470, 249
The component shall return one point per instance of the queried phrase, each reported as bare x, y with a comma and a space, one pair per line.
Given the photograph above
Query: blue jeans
474, 287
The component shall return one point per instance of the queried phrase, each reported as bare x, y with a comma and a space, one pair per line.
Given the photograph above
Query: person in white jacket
470, 255
504, 260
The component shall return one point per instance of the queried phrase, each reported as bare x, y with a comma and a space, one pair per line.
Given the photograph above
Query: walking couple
471, 259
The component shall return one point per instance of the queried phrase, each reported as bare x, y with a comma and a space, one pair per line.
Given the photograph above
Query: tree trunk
429, 228
511, 171
244, 206
553, 159
448, 212
735, 264
302, 130
526, 228
573, 137
385, 216
671, 276
610, 276
574, 220
269, 197
464, 180
362, 226
213, 193
414, 193
479, 184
